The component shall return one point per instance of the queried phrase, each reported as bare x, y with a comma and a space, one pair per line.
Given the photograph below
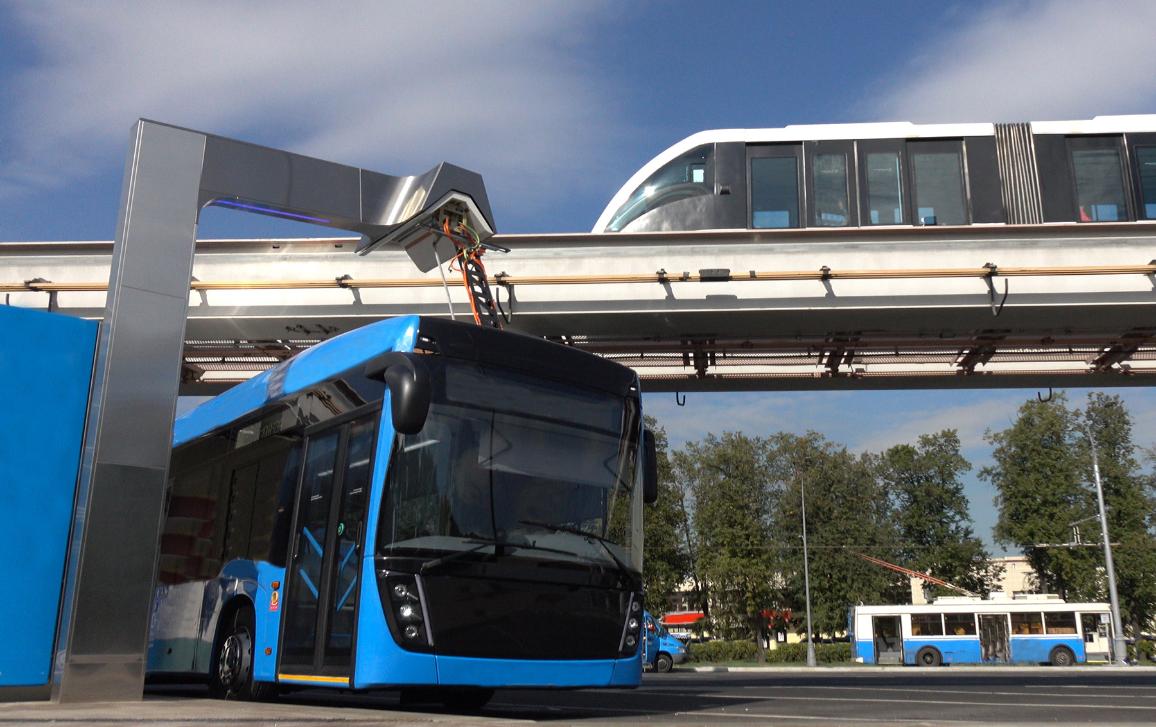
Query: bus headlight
405, 610
632, 626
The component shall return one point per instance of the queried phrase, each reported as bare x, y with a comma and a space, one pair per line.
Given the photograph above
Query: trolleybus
962, 630
415, 504
895, 174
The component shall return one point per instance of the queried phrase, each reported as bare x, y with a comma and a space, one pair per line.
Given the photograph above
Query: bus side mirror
409, 388
649, 468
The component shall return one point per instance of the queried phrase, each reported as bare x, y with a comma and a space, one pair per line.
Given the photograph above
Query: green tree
1130, 500
931, 513
847, 513
1037, 475
666, 560
727, 479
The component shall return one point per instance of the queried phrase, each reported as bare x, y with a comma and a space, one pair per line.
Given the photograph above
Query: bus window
1023, 624
1146, 163
884, 192
938, 175
1099, 180
1060, 622
926, 624
774, 192
959, 624
831, 207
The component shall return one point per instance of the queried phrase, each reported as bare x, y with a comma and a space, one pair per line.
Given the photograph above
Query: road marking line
930, 701
978, 690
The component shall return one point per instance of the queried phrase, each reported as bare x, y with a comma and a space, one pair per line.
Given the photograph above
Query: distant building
1018, 578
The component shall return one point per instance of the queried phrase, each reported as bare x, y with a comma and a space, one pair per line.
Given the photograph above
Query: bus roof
308, 368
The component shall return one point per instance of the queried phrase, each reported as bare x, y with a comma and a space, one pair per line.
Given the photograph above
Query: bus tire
1061, 656
928, 656
663, 663
231, 669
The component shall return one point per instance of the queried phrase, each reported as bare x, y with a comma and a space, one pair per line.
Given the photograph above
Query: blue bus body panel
460, 670
953, 650
308, 368
45, 371
864, 650
1038, 649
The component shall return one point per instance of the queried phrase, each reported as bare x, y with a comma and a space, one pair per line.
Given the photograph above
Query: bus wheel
663, 663
928, 656
231, 672
1062, 656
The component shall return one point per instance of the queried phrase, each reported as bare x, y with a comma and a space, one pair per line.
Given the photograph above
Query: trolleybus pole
806, 575
1119, 648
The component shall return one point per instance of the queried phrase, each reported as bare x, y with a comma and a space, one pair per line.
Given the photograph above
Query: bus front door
1097, 642
887, 634
320, 608
994, 639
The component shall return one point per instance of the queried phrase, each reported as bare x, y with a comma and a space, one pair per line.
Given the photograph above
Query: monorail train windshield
533, 469
682, 178
895, 174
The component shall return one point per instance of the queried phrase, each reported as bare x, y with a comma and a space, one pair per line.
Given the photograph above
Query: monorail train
864, 175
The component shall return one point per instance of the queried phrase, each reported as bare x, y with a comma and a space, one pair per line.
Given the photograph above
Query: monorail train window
1099, 178
1146, 164
937, 171
884, 188
831, 205
774, 192
687, 176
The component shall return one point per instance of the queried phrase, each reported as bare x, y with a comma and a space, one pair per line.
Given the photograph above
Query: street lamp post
807, 575
1119, 648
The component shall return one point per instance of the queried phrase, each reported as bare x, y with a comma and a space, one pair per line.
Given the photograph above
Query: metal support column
102, 637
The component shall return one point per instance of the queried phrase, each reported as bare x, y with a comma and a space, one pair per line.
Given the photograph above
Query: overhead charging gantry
170, 176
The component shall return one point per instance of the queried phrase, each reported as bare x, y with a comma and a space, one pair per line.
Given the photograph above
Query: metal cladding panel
45, 371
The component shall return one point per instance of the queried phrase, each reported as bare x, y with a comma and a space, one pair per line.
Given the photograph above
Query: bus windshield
544, 468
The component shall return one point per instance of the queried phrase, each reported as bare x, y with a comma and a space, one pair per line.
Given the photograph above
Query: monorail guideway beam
170, 175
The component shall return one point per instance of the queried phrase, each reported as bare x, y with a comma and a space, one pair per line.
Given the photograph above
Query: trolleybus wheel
928, 656
231, 672
1062, 656
663, 663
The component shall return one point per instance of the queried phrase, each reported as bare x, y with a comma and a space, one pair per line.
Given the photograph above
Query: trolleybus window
774, 192
926, 624
1099, 180
1060, 622
938, 173
1026, 623
959, 624
884, 192
830, 179
1146, 163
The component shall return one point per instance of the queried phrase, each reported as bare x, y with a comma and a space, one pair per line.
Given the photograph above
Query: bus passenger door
1097, 642
324, 568
994, 637
887, 632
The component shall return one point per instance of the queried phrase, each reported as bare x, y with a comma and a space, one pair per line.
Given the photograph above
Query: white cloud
395, 86
1029, 61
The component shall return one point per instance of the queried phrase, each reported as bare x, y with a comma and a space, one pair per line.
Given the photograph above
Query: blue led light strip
237, 204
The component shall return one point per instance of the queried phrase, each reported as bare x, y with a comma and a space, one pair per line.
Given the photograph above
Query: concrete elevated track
914, 307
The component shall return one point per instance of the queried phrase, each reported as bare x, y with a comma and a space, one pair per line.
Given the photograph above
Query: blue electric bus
962, 630
416, 504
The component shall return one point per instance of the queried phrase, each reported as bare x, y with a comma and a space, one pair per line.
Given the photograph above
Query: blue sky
556, 104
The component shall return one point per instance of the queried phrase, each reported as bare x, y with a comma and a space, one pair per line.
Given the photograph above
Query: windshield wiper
623, 571
481, 543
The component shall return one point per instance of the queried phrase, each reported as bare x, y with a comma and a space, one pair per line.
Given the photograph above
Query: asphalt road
783, 697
